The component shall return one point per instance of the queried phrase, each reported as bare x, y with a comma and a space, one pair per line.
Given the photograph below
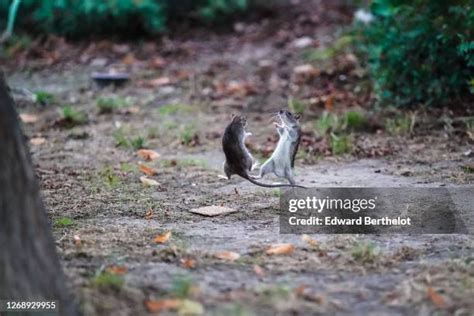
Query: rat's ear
298, 116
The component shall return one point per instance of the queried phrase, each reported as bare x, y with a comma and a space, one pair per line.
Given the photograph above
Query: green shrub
420, 51
95, 17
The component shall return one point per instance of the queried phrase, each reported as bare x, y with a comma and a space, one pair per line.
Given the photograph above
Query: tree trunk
29, 266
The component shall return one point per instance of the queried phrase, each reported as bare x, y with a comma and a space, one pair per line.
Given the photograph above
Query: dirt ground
181, 95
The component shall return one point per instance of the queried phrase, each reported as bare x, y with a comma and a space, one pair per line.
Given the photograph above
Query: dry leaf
227, 255
157, 62
310, 241
148, 182
188, 307
129, 59
281, 249
160, 81
77, 240
148, 154
116, 270
154, 306
188, 263
259, 271
329, 104
149, 213
147, 170
212, 210
36, 141
161, 239
28, 118
435, 297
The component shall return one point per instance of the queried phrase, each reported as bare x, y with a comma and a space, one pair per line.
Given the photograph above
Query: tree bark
29, 266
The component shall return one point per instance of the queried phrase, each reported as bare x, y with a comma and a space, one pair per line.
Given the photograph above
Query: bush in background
420, 51
96, 17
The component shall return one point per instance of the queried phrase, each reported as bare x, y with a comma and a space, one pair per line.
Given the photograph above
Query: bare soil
86, 177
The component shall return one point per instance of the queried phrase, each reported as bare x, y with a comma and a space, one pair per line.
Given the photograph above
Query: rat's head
239, 121
288, 118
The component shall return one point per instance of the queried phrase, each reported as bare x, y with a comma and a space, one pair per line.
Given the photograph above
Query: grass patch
43, 97
138, 142
109, 177
110, 105
296, 106
63, 222
106, 280
340, 144
365, 253
182, 286
72, 116
174, 108
187, 134
326, 123
354, 120
398, 126
123, 140
341, 45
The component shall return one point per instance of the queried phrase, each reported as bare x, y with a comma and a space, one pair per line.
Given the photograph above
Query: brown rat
238, 159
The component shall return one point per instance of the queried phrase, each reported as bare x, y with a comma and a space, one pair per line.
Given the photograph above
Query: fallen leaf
147, 170
149, 213
281, 249
119, 270
148, 154
157, 62
36, 141
155, 306
161, 239
212, 210
258, 271
188, 263
310, 241
28, 118
188, 307
329, 103
227, 255
129, 59
77, 240
303, 73
159, 82
435, 297
148, 182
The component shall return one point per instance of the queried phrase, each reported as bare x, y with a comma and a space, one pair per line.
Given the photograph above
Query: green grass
43, 97
354, 120
296, 106
63, 222
365, 252
106, 280
109, 177
187, 134
326, 123
123, 140
400, 125
181, 286
322, 54
73, 116
137, 142
173, 108
340, 144
110, 105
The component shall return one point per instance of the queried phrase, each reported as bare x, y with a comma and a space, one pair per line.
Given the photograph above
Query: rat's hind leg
227, 171
289, 176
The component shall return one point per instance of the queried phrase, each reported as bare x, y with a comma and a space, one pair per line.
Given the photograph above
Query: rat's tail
274, 185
